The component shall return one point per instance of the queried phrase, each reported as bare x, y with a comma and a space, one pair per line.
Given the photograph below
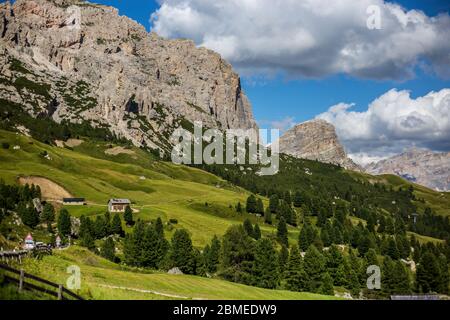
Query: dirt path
149, 291
119, 150
50, 190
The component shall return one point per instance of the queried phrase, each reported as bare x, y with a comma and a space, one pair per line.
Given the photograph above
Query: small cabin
74, 201
118, 205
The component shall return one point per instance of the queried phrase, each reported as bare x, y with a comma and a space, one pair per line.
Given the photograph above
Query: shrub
5, 145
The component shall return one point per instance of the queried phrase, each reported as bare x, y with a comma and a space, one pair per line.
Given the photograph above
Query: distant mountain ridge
316, 140
424, 167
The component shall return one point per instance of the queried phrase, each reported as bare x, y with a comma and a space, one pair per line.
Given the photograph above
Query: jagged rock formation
316, 140
420, 166
77, 61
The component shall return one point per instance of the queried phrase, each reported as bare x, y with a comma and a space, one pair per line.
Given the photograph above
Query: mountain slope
76, 61
316, 140
423, 167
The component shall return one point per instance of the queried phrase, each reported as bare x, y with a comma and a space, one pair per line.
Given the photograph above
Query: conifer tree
239, 208
212, 255
283, 258
237, 255
392, 250
273, 203
48, 215
314, 264
295, 276
327, 285
116, 225
108, 250
248, 227
297, 199
268, 216
182, 252
259, 206
428, 273
64, 224
282, 232
128, 216
132, 245
265, 267
257, 232
251, 204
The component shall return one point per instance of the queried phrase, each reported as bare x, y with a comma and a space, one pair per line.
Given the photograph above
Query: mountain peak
316, 140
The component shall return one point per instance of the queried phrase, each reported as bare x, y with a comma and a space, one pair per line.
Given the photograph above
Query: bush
5, 145
173, 221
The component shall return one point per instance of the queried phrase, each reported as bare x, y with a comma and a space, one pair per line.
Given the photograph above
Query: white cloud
393, 122
311, 37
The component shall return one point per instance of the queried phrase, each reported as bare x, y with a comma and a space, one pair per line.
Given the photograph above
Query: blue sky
277, 97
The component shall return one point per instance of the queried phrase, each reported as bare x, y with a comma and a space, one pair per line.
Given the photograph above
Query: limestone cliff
77, 61
316, 140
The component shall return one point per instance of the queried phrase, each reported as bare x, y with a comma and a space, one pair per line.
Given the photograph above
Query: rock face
419, 166
88, 63
316, 140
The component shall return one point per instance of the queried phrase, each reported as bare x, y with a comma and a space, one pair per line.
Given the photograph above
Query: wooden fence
55, 290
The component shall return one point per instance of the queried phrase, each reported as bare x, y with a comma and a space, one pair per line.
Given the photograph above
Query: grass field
168, 191
101, 279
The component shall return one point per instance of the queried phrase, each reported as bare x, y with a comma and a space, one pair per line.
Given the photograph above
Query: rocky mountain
316, 140
81, 62
421, 166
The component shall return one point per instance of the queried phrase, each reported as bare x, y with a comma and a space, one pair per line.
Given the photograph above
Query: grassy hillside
101, 279
168, 191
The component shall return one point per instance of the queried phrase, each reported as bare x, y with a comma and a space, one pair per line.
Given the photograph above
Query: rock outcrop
316, 140
78, 61
420, 166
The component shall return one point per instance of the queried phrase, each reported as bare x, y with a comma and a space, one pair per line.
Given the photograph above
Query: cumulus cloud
311, 38
393, 122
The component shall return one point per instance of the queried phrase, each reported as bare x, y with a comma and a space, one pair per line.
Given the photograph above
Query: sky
378, 70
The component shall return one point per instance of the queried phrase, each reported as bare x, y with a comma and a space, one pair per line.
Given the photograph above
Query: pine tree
132, 245
372, 258
257, 232
268, 216
314, 264
334, 260
159, 227
283, 258
295, 276
297, 200
248, 227
259, 206
28, 215
239, 208
428, 273
100, 227
392, 250
116, 225
108, 250
128, 216
273, 203
182, 252
64, 224
327, 285
149, 256
212, 256
107, 222
282, 232
251, 204
237, 255
265, 268
444, 274
48, 215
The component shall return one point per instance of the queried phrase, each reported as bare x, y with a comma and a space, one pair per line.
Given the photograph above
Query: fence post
22, 276
60, 292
